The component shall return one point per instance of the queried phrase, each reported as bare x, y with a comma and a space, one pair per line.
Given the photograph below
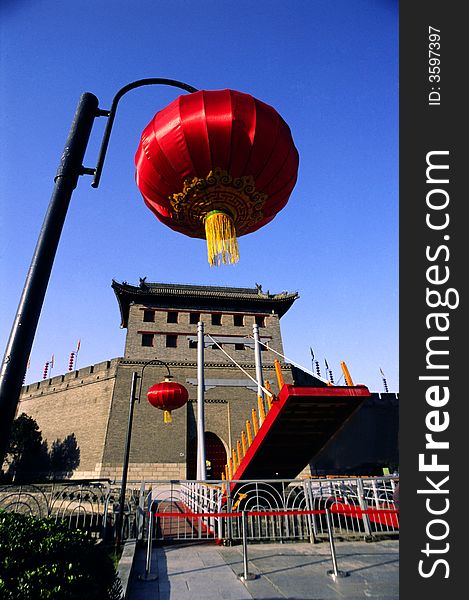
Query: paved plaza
205, 571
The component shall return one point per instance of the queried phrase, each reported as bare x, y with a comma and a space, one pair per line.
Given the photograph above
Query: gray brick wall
78, 402
183, 328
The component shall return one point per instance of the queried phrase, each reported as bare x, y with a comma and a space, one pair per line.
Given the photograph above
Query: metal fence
90, 506
276, 510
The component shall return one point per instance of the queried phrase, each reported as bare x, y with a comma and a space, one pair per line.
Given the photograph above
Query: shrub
41, 559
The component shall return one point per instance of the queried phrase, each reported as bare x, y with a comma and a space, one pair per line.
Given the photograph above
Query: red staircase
299, 423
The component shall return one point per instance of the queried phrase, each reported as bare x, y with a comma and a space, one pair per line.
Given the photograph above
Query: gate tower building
161, 321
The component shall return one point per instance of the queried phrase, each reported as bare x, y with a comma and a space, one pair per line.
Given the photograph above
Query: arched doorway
215, 453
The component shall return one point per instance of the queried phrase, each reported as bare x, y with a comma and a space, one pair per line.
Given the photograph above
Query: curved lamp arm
151, 362
112, 113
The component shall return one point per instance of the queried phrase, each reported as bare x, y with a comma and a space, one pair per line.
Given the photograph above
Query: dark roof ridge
173, 288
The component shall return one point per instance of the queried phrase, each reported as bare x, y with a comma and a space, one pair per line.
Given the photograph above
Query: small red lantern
216, 164
167, 396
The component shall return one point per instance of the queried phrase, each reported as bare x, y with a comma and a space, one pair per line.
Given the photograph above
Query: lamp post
71, 167
125, 463
201, 464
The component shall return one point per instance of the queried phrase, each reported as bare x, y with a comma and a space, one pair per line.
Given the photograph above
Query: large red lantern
217, 165
167, 396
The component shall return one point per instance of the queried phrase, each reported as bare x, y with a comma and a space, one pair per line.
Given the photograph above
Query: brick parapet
74, 379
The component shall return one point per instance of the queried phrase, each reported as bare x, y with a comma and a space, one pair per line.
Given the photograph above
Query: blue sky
329, 67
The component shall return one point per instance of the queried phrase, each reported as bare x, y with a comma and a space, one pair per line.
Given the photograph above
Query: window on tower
238, 320
216, 319
194, 318
147, 339
260, 320
172, 317
149, 316
171, 341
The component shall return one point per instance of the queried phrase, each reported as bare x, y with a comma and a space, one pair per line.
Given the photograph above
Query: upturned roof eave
127, 293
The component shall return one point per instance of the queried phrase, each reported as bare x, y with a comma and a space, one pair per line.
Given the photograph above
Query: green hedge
41, 559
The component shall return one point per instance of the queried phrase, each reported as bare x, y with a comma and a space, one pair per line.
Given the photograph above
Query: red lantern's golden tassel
220, 232
218, 208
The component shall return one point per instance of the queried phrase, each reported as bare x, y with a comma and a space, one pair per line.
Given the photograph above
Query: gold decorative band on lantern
236, 196
219, 208
220, 232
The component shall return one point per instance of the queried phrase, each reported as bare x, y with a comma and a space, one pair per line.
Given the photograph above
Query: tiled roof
147, 292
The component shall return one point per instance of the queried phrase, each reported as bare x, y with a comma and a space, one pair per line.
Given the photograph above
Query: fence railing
90, 506
277, 510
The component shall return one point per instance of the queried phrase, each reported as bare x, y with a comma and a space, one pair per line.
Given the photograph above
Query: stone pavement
296, 571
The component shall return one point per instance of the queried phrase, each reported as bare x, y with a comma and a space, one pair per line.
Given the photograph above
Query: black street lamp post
70, 168
125, 464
